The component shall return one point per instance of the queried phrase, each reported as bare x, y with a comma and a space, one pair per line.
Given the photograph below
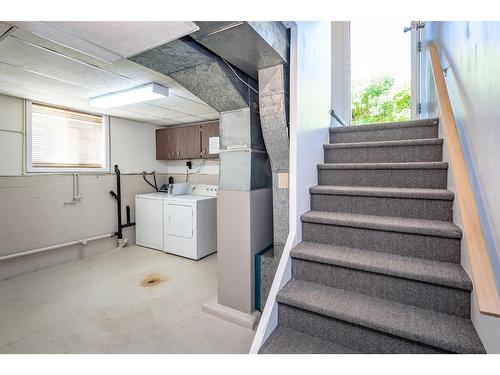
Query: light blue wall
471, 52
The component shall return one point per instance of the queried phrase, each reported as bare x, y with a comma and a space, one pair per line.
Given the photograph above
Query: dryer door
179, 220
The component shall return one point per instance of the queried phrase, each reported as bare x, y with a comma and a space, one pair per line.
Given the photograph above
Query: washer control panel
205, 190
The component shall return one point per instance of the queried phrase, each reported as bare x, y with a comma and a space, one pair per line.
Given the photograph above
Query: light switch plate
282, 180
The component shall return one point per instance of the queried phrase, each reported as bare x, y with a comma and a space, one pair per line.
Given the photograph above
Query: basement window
63, 140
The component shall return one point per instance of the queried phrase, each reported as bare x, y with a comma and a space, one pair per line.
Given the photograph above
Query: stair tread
406, 165
436, 329
395, 143
437, 228
286, 340
441, 194
386, 125
429, 271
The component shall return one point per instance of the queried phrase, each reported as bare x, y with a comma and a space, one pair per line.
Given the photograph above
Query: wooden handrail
482, 273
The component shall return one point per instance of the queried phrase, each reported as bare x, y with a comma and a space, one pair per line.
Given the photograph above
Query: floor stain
152, 280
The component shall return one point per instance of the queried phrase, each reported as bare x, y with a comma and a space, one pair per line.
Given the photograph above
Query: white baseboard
240, 318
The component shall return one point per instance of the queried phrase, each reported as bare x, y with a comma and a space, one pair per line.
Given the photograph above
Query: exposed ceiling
110, 41
42, 70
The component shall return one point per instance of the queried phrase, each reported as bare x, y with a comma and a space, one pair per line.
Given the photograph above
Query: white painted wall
470, 52
133, 146
11, 137
310, 99
313, 90
199, 166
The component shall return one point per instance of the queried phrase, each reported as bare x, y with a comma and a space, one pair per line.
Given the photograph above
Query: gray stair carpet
386, 223
384, 151
288, 341
433, 204
443, 273
379, 269
428, 175
442, 331
419, 129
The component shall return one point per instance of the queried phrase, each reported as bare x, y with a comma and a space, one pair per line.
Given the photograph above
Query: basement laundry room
135, 187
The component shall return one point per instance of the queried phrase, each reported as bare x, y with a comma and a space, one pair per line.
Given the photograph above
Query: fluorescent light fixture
139, 94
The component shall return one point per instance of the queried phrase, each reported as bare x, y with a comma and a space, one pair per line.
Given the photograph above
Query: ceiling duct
202, 72
219, 63
250, 46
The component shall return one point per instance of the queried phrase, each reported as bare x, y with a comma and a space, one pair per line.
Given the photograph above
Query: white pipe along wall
34, 216
54, 247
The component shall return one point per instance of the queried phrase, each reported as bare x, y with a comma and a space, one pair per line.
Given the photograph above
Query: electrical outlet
189, 164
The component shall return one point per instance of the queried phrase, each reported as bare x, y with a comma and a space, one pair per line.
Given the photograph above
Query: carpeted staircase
378, 270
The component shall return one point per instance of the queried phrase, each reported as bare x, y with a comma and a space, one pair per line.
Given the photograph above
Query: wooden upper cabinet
165, 144
208, 130
186, 142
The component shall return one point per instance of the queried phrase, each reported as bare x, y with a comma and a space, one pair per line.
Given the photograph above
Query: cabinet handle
178, 152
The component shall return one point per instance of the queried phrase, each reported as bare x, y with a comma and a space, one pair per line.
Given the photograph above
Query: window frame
54, 170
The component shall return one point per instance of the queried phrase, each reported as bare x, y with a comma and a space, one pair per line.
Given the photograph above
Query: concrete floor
99, 305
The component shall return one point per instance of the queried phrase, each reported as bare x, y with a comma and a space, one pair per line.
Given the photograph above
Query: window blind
62, 138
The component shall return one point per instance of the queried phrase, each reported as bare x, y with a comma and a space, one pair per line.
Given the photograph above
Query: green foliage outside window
381, 101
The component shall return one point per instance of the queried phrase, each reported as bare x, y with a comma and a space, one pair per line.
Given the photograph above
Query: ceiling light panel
139, 94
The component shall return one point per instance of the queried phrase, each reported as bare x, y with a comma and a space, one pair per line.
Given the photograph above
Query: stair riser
384, 206
417, 132
344, 333
410, 292
395, 154
288, 341
401, 178
407, 244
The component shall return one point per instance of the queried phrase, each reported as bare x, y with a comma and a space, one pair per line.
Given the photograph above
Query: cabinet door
164, 143
208, 130
187, 142
161, 144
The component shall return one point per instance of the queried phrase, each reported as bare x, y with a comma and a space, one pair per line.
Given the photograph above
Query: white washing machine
184, 224
190, 222
149, 216
149, 220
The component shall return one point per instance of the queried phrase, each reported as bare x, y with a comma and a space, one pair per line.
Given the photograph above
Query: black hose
149, 183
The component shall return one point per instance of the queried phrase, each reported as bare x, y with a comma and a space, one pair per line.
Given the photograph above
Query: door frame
341, 101
341, 72
417, 35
